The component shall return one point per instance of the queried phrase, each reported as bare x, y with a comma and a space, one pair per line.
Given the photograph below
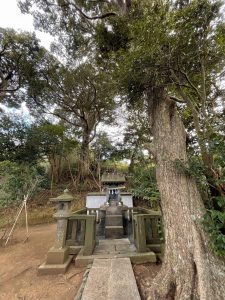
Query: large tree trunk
131, 165
189, 271
84, 163
56, 167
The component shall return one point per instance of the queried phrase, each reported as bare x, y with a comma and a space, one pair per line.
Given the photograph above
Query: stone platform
115, 248
111, 279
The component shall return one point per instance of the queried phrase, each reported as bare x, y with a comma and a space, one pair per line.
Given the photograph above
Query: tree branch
176, 99
103, 16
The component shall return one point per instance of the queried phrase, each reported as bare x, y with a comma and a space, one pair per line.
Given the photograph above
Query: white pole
17, 217
25, 206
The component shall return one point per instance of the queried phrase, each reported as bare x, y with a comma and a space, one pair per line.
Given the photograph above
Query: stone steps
113, 231
115, 248
111, 279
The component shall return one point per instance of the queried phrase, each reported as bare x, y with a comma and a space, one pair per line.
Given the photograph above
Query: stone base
136, 258
53, 269
113, 232
74, 250
57, 256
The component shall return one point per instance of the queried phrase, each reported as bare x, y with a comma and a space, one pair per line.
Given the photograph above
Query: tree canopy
165, 60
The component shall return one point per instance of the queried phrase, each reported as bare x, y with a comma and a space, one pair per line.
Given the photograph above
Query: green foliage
16, 181
214, 219
52, 139
112, 38
102, 146
143, 184
15, 140
20, 57
214, 223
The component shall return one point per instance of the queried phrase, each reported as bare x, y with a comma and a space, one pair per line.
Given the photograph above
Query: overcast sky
11, 17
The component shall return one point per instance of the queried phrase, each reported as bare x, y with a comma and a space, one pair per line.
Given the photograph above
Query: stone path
111, 279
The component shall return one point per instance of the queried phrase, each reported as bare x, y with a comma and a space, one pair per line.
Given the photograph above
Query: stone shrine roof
112, 178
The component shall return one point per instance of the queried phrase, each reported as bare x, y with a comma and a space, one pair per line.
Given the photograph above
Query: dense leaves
18, 181
20, 56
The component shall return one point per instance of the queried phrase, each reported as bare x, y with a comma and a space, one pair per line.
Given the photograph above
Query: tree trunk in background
131, 165
189, 271
84, 160
56, 167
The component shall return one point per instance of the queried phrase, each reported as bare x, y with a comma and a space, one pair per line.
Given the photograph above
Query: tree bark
190, 270
131, 165
84, 163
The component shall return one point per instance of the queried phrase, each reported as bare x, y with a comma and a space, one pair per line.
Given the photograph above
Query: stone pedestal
58, 258
114, 220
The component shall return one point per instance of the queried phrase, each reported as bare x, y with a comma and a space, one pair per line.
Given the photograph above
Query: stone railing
76, 233
94, 211
81, 231
147, 229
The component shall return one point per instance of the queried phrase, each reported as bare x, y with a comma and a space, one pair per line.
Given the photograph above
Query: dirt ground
144, 275
19, 262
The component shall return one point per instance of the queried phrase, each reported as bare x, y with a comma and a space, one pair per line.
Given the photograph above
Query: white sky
11, 17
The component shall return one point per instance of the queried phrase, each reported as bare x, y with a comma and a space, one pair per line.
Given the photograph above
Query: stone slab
136, 258
111, 279
97, 283
126, 248
105, 248
122, 283
115, 241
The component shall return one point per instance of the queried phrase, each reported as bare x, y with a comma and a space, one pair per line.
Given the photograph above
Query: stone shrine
109, 227
114, 213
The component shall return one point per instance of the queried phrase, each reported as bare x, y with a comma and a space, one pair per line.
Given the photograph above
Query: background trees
166, 58
81, 97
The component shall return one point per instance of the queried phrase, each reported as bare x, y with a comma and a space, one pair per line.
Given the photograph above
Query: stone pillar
89, 242
74, 232
140, 234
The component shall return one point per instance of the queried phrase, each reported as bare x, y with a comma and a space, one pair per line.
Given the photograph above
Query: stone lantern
62, 215
58, 258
